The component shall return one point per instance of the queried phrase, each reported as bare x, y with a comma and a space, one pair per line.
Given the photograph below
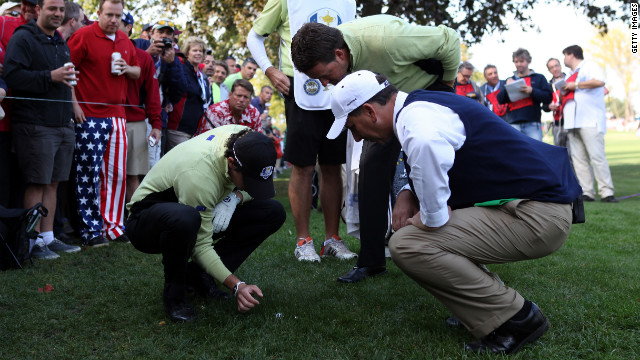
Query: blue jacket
257, 104
171, 78
498, 162
194, 104
541, 95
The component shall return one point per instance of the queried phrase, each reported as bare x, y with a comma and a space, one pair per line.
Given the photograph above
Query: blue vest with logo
498, 162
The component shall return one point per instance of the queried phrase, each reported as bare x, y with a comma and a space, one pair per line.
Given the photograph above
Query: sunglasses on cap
166, 22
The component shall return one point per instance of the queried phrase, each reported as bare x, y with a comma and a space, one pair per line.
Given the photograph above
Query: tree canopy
226, 23
475, 18
623, 64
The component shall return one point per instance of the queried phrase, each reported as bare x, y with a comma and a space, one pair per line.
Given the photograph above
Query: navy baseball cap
256, 155
127, 17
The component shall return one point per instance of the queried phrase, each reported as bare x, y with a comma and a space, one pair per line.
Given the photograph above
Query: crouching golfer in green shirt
216, 186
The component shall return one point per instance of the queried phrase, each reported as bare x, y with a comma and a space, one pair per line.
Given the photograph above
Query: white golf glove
223, 212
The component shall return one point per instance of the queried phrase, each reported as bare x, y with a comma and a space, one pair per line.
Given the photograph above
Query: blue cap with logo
127, 17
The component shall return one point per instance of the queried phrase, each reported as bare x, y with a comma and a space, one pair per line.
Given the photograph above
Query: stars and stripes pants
101, 159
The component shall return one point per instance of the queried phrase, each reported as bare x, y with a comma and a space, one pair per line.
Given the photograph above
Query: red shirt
219, 114
91, 53
8, 25
146, 84
528, 101
464, 89
498, 109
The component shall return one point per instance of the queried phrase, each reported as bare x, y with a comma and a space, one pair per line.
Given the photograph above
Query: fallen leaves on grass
47, 288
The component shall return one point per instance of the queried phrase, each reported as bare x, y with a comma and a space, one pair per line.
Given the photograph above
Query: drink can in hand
115, 69
73, 82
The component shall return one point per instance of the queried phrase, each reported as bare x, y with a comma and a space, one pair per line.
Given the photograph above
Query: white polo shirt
587, 109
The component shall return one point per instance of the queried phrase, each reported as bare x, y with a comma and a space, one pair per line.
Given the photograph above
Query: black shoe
176, 305
179, 311
95, 242
62, 236
609, 199
203, 284
453, 321
122, 239
359, 273
587, 198
513, 334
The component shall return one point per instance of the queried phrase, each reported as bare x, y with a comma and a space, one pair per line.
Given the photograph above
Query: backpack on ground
16, 230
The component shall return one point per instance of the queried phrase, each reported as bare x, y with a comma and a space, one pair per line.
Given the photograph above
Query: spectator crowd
84, 155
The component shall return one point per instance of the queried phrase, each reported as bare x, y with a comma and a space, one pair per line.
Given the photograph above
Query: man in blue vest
480, 193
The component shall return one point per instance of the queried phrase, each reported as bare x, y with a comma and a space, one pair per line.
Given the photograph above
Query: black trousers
171, 229
377, 168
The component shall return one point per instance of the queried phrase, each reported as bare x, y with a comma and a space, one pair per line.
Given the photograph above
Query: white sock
33, 242
47, 236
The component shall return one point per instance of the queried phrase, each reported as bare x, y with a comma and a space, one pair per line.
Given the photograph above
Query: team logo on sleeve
312, 86
266, 172
327, 17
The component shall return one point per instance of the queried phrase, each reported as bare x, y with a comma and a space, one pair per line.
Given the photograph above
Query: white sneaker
306, 251
335, 247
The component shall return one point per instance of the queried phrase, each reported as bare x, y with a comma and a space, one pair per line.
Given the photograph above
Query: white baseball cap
349, 94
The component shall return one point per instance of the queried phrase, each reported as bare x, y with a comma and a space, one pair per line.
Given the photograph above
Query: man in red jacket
145, 92
101, 141
10, 186
8, 24
464, 86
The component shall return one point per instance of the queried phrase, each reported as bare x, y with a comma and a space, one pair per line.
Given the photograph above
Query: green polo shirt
197, 172
231, 79
389, 45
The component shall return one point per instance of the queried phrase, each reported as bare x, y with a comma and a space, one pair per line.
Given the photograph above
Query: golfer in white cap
480, 193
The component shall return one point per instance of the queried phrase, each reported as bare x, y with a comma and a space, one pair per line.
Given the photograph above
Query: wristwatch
237, 287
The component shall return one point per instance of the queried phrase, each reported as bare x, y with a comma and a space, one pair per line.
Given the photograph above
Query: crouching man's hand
245, 298
404, 209
243, 293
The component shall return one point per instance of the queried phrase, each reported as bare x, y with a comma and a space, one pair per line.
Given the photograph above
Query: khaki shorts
175, 138
137, 148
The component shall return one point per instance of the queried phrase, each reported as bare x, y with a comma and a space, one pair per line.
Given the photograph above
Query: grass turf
106, 302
